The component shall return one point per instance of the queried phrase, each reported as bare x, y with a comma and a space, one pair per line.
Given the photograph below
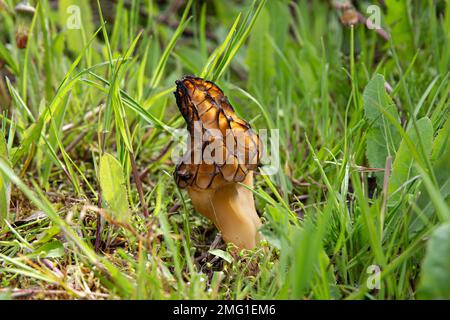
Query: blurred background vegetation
359, 209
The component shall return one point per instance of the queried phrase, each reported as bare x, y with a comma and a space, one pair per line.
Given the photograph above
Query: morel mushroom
223, 153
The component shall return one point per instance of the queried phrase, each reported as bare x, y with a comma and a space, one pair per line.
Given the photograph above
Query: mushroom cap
25, 8
228, 149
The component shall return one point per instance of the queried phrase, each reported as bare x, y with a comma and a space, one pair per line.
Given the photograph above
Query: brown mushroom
215, 180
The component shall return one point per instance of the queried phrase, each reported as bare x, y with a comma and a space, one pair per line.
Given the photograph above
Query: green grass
75, 101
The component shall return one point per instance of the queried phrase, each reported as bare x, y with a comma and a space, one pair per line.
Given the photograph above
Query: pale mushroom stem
232, 209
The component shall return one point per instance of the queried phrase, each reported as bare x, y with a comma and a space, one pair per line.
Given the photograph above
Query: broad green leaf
222, 254
402, 168
435, 276
54, 249
442, 142
382, 136
113, 187
440, 158
48, 234
5, 186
